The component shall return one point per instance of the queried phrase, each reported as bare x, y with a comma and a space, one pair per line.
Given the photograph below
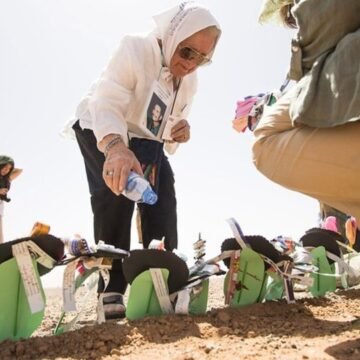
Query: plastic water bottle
77, 246
139, 190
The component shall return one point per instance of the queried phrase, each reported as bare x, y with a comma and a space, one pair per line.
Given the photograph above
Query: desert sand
323, 329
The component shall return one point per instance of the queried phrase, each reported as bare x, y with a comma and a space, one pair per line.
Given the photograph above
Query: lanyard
175, 89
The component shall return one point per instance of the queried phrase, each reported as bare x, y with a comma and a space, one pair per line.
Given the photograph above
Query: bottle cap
149, 197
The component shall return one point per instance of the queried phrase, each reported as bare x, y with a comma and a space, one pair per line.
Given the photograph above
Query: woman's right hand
118, 163
3, 191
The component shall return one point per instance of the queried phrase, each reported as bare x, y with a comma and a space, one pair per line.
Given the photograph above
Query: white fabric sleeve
171, 147
110, 100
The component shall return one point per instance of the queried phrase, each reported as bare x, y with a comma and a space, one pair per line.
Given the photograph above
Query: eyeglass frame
204, 59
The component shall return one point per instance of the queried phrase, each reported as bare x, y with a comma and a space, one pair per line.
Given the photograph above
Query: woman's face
202, 43
156, 113
5, 170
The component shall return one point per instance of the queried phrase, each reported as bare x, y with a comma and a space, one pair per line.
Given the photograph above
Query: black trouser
113, 214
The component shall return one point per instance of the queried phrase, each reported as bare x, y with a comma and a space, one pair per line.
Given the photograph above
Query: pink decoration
244, 106
330, 224
240, 124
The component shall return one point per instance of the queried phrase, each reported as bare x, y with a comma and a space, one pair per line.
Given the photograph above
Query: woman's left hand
181, 132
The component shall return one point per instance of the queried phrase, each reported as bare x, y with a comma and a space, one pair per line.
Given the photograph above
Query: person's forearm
110, 141
15, 173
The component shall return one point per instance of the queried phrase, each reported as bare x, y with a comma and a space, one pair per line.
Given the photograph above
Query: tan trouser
322, 163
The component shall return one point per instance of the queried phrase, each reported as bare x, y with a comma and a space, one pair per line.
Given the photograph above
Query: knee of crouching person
256, 153
262, 159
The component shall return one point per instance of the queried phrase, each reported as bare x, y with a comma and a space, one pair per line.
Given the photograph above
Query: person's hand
181, 131
118, 163
3, 191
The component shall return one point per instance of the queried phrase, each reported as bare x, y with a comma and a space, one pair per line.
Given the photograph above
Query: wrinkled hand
181, 131
118, 163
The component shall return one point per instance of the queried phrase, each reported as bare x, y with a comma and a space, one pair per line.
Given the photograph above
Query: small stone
223, 316
224, 331
20, 349
98, 344
209, 348
88, 345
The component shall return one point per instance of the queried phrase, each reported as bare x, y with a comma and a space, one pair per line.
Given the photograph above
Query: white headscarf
180, 22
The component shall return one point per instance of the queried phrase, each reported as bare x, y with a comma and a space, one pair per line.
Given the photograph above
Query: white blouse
116, 102
1, 208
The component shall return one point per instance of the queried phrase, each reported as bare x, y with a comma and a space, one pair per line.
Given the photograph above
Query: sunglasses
188, 53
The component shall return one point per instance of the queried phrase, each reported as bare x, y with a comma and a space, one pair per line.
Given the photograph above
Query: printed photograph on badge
155, 113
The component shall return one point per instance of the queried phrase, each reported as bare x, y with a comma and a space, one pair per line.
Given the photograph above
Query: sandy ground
325, 328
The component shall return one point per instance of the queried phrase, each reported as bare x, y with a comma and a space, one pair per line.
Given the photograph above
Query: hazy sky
52, 50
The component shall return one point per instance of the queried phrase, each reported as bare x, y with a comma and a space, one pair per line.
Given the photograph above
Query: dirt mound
324, 328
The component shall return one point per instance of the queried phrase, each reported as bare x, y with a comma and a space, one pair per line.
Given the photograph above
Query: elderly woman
111, 129
309, 140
